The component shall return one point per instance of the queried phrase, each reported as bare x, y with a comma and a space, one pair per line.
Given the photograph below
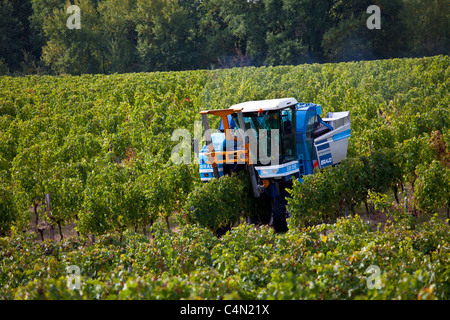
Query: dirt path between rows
69, 231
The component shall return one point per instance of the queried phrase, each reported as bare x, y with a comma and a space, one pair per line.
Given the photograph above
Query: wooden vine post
49, 215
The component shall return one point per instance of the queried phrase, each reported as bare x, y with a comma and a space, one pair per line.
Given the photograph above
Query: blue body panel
305, 148
206, 170
230, 122
342, 135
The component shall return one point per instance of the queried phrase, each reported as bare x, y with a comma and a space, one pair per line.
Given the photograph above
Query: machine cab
273, 123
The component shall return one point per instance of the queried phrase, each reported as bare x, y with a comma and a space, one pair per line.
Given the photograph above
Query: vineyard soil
376, 220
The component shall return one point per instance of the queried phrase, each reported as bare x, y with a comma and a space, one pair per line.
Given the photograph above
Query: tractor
275, 140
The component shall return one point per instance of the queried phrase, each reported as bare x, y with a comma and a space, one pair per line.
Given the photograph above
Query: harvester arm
250, 167
209, 143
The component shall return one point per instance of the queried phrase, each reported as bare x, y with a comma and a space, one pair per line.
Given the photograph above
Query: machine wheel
279, 214
262, 212
222, 230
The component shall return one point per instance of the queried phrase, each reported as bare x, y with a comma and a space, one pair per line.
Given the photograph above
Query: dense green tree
218, 42
307, 20
245, 22
271, 32
167, 33
120, 35
75, 51
294, 26
19, 50
42, 9
11, 30
427, 24
283, 34
349, 37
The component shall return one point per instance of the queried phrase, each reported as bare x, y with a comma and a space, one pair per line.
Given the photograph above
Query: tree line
171, 35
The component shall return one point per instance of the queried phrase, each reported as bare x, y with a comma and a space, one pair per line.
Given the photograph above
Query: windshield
267, 138
267, 121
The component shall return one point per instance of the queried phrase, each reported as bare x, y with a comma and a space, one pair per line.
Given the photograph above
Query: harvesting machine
275, 140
